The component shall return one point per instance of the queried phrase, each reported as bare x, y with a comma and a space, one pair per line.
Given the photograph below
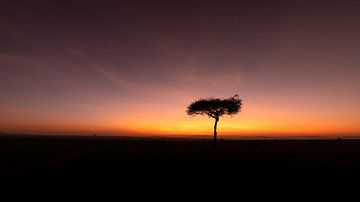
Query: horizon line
196, 136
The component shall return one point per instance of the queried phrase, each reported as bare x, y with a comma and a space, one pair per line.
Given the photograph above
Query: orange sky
134, 69
169, 118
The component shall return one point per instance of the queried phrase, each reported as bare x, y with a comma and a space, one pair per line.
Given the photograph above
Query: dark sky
135, 65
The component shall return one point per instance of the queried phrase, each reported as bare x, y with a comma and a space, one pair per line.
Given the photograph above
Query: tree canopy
215, 107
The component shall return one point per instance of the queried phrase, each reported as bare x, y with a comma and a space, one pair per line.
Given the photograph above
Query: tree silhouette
214, 108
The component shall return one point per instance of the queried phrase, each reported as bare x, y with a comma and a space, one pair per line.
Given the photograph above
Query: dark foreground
116, 167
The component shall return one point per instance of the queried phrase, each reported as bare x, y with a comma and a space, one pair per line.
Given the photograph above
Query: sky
132, 67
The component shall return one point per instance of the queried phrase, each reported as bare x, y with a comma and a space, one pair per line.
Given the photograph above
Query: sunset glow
86, 73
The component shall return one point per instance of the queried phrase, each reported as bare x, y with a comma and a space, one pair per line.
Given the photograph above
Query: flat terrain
47, 166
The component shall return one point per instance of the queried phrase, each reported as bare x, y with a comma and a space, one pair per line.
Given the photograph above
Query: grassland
47, 166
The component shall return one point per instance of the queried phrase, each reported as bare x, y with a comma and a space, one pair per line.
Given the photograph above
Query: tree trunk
215, 133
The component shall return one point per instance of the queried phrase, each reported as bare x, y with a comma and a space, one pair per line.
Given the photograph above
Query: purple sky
134, 65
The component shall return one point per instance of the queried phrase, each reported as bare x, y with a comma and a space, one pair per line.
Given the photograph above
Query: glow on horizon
251, 121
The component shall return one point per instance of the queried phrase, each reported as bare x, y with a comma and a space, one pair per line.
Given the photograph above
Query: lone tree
214, 108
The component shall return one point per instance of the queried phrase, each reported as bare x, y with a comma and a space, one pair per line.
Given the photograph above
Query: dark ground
103, 166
